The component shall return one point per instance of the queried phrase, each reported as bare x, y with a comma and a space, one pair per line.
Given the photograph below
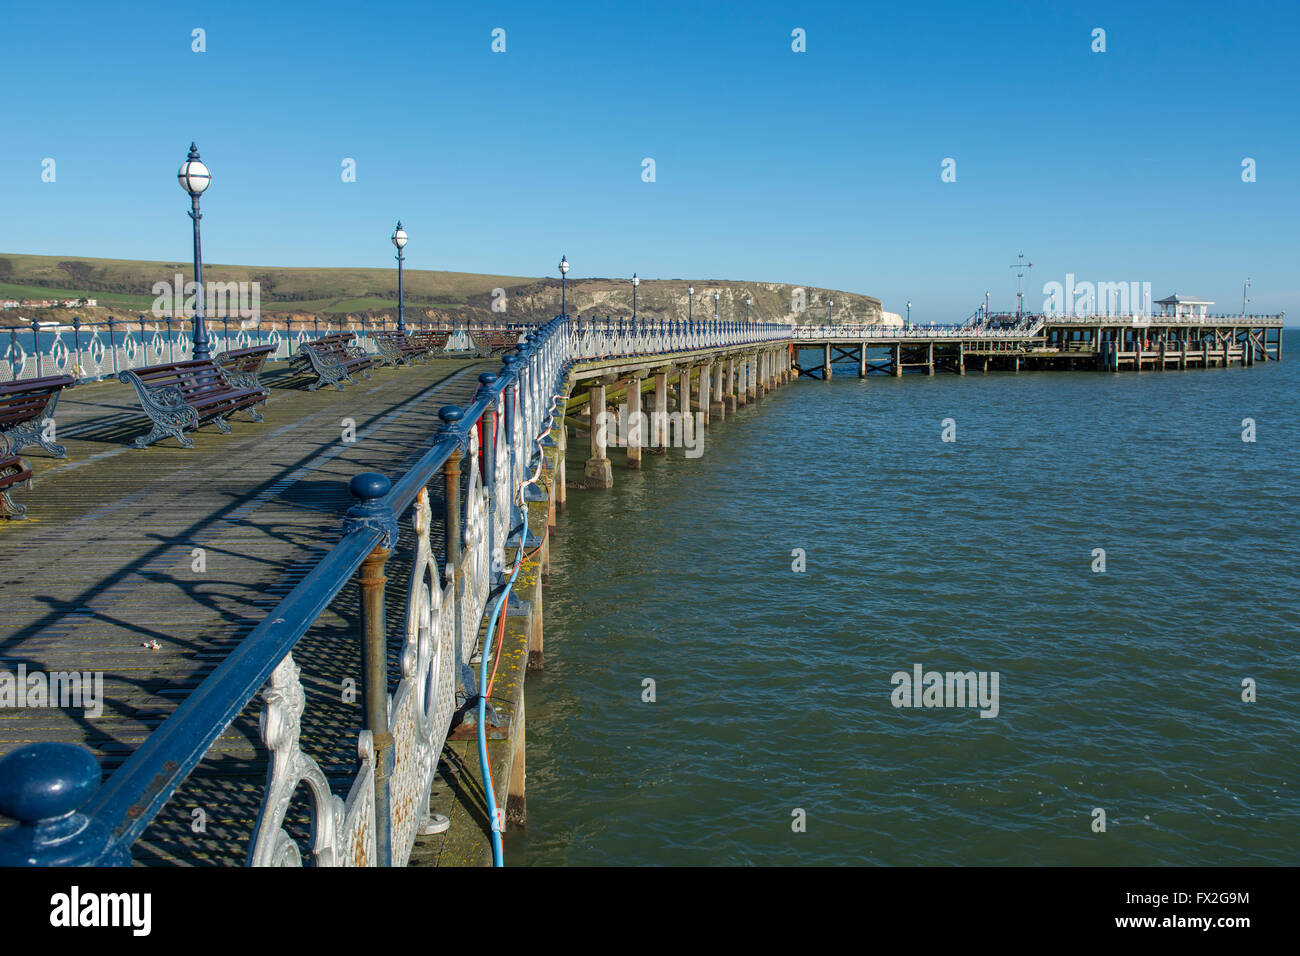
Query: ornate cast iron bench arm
167, 410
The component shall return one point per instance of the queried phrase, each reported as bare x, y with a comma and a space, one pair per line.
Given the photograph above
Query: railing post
76, 342
488, 448
369, 488
44, 786
112, 344
451, 416
36, 346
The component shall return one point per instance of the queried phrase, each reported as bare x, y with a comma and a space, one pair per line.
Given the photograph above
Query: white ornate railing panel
343, 833
475, 545
421, 708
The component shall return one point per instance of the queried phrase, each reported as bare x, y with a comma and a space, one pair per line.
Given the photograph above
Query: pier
1013, 343
314, 631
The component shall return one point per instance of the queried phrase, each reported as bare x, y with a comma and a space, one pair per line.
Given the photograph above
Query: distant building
1184, 307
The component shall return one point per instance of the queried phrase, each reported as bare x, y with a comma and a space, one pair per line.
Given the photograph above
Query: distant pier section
1181, 334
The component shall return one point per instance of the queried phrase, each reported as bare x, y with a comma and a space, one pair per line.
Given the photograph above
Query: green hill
125, 286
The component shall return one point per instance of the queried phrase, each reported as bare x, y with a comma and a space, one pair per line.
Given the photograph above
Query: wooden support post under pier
702, 395
659, 423
826, 362
634, 419
862, 360
684, 403
751, 376
731, 384
598, 473
898, 360
717, 408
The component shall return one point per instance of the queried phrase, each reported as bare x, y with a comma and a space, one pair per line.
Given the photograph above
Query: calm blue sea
1118, 691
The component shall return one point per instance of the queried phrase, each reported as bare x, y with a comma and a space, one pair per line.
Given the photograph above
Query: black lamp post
194, 178
690, 303
635, 282
564, 271
747, 301
399, 240
830, 311
715, 305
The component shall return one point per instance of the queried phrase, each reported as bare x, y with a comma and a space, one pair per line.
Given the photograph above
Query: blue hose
498, 852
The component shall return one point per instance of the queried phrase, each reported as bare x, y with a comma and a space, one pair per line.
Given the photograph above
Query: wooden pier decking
107, 565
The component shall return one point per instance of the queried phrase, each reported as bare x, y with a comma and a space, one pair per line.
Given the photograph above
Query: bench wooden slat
187, 394
332, 360
13, 471
24, 407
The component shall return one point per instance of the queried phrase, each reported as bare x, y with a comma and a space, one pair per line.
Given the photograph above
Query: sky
822, 167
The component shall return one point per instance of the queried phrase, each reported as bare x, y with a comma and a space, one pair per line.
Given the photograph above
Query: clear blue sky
820, 168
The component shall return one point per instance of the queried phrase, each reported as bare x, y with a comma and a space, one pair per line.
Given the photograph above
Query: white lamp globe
194, 177
635, 280
399, 236
564, 265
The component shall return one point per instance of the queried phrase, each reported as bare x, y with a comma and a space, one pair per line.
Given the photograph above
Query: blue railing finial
44, 786
369, 488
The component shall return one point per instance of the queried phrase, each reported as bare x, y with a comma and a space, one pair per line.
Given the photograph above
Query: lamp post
194, 178
690, 303
909, 313
399, 240
635, 282
715, 305
986, 306
747, 301
564, 271
830, 311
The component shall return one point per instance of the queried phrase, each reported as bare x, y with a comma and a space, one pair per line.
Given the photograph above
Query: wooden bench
333, 359
492, 342
430, 341
188, 394
396, 349
25, 406
244, 366
13, 471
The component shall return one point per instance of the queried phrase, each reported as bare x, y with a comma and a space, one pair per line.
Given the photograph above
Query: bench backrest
333, 338
429, 339
22, 401
331, 346
245, 360
196, 380
13, 461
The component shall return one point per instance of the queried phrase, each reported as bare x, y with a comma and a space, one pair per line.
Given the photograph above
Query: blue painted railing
53, 790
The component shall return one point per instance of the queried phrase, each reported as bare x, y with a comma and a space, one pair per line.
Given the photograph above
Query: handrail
108, 819
129, 800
